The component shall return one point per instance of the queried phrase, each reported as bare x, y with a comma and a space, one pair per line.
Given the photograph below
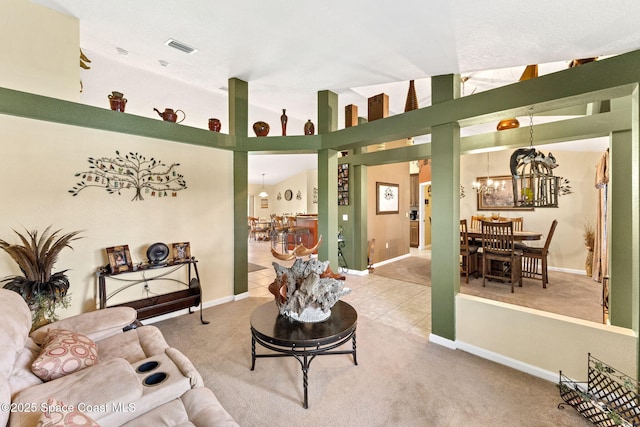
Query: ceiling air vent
180, 46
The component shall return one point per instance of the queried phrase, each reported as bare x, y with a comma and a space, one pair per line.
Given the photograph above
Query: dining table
518, 236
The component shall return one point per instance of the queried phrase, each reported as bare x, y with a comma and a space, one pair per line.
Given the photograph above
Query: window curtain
600, 258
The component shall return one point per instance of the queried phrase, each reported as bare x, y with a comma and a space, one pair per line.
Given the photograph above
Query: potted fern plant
43, 290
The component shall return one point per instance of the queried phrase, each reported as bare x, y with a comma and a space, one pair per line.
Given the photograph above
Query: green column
445, 213
238, 124
620, 240
359, 221
328, 180
634, 196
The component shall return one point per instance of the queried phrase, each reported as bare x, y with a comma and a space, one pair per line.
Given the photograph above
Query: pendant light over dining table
263, 193
534, 184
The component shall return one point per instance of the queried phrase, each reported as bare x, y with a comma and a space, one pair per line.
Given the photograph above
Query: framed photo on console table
181, 251
387, 198
119, 259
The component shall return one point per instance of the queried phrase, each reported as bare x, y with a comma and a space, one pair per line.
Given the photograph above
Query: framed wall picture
387, 198
119, 259
181, 251
343, 184
499, 199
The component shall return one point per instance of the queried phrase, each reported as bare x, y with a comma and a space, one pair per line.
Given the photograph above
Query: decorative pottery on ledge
117, 101
309, 128
261, 128
214, 125
304, 292
168, 115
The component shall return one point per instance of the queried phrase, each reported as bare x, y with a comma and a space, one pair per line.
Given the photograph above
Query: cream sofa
119, 388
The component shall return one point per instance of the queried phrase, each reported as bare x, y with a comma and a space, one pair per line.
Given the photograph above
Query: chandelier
263, 193
488, 185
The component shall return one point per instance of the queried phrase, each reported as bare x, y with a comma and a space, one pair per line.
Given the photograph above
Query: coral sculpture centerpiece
305, 292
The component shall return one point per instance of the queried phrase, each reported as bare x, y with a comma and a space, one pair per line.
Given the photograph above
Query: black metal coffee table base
304, 341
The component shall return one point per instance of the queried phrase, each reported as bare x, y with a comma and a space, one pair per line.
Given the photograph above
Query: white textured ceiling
288, 51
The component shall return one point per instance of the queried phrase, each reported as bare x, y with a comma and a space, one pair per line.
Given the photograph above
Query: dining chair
535, 258
371, 247
279, 232
468, 253
476, 221
252, 227
498, 248
518, 223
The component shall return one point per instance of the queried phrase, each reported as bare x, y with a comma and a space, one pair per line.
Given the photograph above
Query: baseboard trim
444, 342
238, 297
507, 361
390, 260
567, 270
358, 272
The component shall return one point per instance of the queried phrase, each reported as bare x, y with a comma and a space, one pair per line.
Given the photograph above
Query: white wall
567, 249
39, 162
304, 182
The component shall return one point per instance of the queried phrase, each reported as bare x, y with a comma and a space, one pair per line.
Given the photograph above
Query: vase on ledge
214, 125
283, 121
261, 128
309, 128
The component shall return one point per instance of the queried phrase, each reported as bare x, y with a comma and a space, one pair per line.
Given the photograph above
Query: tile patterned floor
404, 305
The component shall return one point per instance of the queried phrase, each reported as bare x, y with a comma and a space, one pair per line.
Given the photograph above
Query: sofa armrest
186, 367
96, 325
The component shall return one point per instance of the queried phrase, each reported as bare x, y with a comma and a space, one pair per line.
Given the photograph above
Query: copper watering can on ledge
168, 115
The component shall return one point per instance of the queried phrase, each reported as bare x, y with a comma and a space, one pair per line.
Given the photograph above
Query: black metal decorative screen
608, 398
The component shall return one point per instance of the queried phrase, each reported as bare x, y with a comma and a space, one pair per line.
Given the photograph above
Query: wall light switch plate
345, 217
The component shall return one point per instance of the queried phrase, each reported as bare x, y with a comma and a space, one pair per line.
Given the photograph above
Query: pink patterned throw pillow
62, 353
57, 414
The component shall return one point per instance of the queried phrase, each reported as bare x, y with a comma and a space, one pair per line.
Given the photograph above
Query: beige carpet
568, 294
401, 380
412, 269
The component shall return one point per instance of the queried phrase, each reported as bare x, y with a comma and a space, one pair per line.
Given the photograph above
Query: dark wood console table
157, 304
304, 341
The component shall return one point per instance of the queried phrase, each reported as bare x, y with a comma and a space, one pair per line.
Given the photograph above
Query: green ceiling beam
392, 155
598, 125
38, 107
564, 89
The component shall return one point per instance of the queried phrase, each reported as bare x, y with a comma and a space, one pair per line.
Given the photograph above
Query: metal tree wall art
131, 172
